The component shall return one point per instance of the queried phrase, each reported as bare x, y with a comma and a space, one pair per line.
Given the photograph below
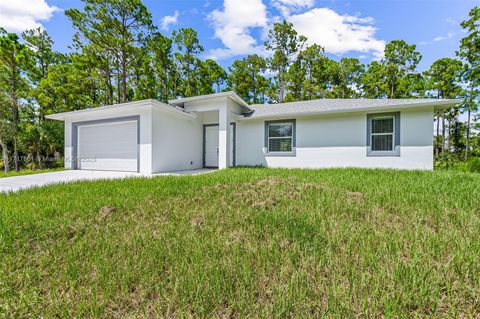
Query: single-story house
222, 130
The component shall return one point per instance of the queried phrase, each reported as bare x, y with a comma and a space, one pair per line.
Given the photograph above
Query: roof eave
230, 94
112, 108
446, 104
64, 115
438, 105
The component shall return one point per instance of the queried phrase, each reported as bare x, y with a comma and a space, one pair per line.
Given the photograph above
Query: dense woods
119, 55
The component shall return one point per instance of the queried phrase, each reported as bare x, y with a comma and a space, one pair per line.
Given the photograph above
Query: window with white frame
382, 136
280, 137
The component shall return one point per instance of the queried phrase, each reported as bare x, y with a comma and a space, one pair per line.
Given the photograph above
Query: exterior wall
170, 141
177, 142
145, 151
340, 141
205, 105
210, 117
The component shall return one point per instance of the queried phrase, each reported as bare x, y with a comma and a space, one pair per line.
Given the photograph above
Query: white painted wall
145, 151
210, 117
340, 141
224, 138
205, 105
177, 142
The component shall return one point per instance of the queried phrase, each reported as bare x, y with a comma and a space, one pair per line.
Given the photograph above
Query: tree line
119, 55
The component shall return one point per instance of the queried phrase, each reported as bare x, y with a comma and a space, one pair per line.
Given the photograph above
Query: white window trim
291, 137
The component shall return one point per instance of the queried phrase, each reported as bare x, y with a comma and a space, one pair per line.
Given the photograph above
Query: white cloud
338, 33
167, 21
233, 25
286, 7
20, 15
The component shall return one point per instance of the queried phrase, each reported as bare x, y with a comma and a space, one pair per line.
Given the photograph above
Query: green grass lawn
245, 243
28, 172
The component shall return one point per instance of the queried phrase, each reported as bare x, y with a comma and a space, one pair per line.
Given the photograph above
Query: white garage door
108, 147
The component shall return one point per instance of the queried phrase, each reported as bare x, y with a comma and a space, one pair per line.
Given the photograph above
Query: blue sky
229, 29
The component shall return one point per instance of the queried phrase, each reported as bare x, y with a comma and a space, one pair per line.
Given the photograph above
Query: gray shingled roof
339, 105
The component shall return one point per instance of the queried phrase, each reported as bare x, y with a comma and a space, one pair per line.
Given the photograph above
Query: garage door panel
109, 164
109, 146
122, 129
112, 150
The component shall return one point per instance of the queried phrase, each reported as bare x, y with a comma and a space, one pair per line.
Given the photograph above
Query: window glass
280, 145
280, 129
280, 137
382, 142
382, 135
384, 125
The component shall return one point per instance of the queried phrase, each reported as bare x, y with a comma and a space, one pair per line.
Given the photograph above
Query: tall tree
347, 74
401, 59
213, 76
318, 72
395, 76
14, 61
35, 126
115, 28
247, 79
373, 81
470, 52
5, 128
444, 80
295, 80
70, 85
470, 105
40, 43
285, 44
444, 77
188, 64
162, 66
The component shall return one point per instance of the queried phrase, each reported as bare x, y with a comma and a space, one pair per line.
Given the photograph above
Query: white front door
211, 145
108, 146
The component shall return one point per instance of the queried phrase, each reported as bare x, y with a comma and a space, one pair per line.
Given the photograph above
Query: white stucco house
221, 130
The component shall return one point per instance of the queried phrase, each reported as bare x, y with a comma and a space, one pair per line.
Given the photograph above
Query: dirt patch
285, 244
265, 193
236, 237
197, 222
355, 196
106, 211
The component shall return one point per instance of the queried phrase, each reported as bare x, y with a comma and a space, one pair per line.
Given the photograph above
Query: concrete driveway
16, 183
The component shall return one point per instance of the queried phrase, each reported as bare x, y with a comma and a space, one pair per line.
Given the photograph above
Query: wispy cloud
451, 20
439, 38
167, 21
